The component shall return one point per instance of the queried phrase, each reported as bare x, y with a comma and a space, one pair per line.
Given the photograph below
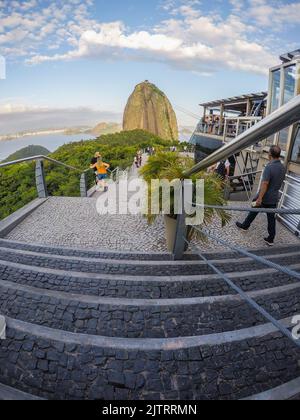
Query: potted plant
171, 166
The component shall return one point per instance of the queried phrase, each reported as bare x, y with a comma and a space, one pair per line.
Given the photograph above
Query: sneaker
269, 242
241, 226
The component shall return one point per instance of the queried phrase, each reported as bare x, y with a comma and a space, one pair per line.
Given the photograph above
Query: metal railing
234, 126
40, 173
247, 181
41, 186
39, 157
228, 128
280, 119
239, 250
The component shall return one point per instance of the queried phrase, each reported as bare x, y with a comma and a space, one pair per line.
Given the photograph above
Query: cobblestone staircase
104, 325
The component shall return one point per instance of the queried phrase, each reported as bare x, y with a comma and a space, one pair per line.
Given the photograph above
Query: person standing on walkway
93, 164
102, 169
268, 196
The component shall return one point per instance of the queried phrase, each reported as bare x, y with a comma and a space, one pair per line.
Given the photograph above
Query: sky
83, 58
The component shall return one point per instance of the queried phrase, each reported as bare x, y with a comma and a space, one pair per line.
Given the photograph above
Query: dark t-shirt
274, 173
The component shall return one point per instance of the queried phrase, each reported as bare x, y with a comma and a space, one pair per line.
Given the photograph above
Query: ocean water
51, 142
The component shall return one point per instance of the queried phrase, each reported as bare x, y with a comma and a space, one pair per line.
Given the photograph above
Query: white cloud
33, 26
188, 39
191, 41
274, 13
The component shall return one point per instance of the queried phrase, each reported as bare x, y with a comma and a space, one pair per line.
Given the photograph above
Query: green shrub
17, 183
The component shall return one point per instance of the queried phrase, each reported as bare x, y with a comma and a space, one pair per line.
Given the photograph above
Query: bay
50, 141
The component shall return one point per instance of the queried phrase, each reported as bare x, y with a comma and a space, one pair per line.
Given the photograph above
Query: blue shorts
101, 177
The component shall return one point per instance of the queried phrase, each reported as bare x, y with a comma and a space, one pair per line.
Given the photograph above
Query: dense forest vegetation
27, 152
17, 183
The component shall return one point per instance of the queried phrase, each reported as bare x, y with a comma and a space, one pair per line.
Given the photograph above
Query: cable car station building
284, 85
223, 120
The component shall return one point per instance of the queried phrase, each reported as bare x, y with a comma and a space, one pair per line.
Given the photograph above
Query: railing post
40, 179
83, 185
181, 232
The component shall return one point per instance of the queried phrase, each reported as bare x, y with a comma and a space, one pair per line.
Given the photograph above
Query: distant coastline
45, 132
100, 129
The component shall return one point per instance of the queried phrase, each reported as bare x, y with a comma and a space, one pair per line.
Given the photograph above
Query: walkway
75, 222
253, 239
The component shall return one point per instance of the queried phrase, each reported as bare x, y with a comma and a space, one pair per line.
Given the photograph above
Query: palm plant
171, 166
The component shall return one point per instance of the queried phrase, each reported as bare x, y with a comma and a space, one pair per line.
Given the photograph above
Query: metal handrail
40, 178
280, 119
40, 157
285, 331
231, 178
286, 270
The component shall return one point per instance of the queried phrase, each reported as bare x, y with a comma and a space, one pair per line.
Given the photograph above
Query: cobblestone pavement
75, 222
253, 239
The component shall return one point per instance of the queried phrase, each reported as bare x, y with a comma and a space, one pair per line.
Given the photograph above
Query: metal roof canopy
236, 102
286, 58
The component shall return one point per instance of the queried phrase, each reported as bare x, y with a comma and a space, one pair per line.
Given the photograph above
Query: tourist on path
101, 168
268, 196
140, 157
136, 161
93, 165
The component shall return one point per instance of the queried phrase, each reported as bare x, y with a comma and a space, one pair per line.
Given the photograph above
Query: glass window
270, 141
275, 98
296, 148
283, 138
289, 83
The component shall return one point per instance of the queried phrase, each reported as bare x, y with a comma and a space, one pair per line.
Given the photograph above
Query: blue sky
82, 56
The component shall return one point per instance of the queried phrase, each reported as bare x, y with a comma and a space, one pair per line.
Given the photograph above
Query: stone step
60, 365
144, 287
88, 253
139, 268
141, 318
105, 254
12, 394
285, 392
263, 252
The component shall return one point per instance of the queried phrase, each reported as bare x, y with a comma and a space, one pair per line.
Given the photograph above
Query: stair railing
255, 258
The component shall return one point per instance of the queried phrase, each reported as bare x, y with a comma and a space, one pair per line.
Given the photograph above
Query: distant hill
106, 128
28, 152
149, 109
